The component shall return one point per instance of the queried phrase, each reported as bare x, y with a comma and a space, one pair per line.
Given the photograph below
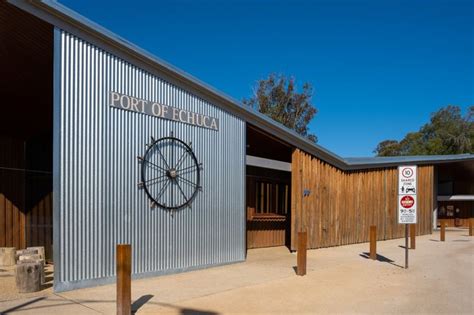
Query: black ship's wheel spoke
188, 167
190, 171
178, 164
173, 150
182, 192
153, 164
163, 183
164, 160
184, 180
155, 180
162, 190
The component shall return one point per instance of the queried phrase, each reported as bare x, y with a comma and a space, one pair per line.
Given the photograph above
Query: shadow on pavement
63, 302
17, 307
403, 246
140, 302
295, 268
380, 258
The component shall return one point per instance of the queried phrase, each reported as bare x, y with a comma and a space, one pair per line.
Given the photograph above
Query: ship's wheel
170, 173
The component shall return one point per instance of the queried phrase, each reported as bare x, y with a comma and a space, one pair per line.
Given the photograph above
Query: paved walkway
340, 280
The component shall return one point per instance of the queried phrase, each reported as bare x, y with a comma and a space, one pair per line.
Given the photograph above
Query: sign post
407, 200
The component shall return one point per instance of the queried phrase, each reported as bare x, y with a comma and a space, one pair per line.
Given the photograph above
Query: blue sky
379, 68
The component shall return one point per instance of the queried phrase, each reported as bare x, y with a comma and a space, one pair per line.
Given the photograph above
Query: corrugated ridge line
101, 204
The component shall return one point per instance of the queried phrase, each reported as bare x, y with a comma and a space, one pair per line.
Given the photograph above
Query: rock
40, 261
39, 249
32, 257
7, 256
28, 277
25, 252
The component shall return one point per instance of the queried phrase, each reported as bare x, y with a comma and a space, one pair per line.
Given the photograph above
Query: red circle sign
407, 172
407, 202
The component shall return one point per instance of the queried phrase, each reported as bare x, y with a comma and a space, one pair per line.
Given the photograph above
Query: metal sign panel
407, 194
407, 209
157, 109
407, 180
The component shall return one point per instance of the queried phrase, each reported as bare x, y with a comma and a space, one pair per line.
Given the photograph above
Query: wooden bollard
373, 242
442, 234
471, 226
301, 254
412, 236
124, 278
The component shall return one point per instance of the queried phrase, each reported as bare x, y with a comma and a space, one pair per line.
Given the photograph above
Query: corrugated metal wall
99, 203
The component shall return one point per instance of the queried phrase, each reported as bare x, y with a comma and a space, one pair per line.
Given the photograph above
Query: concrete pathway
340, 280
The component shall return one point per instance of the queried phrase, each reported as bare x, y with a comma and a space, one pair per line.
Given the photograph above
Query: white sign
407, 194
407, 209
407, 180
155, 109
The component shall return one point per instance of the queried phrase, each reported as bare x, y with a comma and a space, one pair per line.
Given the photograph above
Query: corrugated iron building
71, 177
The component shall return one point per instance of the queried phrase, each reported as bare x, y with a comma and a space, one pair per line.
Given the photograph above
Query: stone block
7, 256
21, 252
40, 261
39, 249
29, 256
28, 277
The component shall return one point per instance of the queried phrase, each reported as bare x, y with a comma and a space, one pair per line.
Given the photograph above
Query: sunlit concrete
440, 279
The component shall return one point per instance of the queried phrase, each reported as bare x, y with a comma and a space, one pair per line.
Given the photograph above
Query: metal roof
404, 160
69, 20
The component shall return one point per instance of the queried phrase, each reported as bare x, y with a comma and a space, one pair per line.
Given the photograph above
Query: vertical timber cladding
343, 204
100, 202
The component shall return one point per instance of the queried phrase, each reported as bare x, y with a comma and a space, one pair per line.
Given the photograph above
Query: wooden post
301, 254
443, 231
124, 277
412, 236
373, 242
471, 226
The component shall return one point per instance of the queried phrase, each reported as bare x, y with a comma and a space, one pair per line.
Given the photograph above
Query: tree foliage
278, 98
448, 132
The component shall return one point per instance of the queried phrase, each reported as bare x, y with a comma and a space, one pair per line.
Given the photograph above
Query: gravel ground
340, 280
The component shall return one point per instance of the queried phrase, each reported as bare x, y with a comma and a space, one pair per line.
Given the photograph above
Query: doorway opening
26, 124
455, 198
268, 190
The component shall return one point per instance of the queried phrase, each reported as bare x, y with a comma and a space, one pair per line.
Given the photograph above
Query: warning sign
407, 180
407, 202
407, 209
407, 194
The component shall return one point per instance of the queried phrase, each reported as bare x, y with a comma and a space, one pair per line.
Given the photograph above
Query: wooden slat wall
25, 200
39, 220
12, 185
342, 205
263, 233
